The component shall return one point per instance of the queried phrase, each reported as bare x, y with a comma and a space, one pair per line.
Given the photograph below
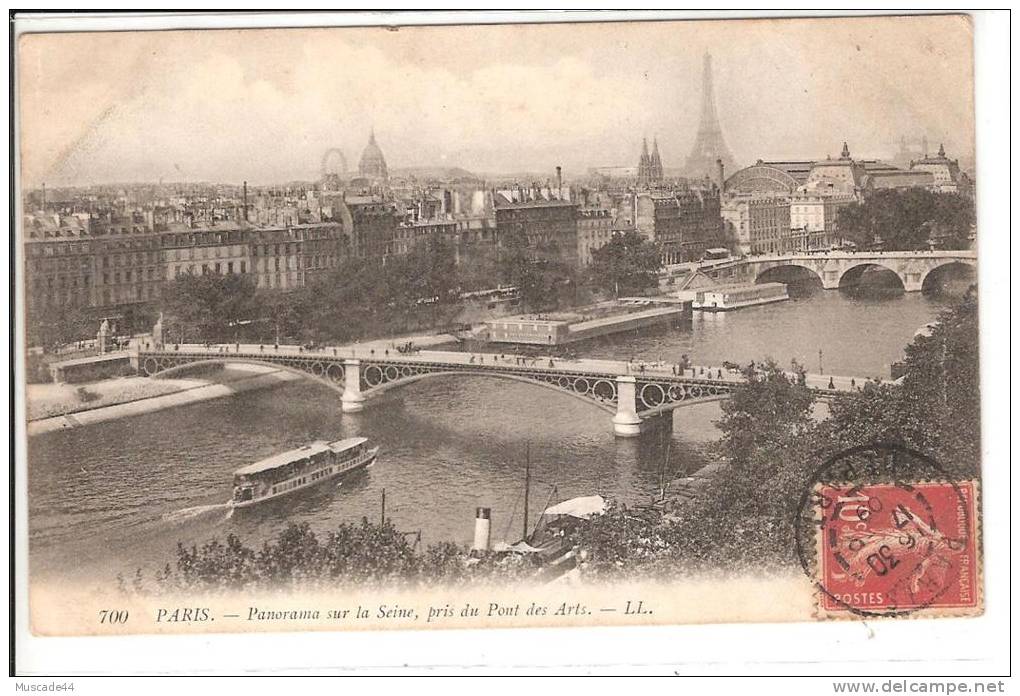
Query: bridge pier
626, 422
353, 400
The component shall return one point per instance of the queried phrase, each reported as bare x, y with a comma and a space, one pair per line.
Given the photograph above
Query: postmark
883, 530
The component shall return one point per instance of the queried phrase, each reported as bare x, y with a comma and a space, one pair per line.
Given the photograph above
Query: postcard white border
958, 646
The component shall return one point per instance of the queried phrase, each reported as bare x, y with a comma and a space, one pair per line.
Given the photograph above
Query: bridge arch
332, 374
674, 405
763, 274
853, 272
938, 269
589, 396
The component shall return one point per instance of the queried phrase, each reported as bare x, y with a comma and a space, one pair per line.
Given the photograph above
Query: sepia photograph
516, 324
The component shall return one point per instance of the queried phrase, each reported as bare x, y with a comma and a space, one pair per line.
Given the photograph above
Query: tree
770, 409
908, 219
209, 306
536, 274
627, 264
55, 325
937, 408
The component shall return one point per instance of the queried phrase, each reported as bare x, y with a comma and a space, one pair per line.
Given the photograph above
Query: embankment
250, 379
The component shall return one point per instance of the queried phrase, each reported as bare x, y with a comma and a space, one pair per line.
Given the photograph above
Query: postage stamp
891, 547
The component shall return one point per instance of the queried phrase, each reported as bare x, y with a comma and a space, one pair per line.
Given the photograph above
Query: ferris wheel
334, 162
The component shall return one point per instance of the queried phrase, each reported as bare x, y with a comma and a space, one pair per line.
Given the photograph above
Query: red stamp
887, 549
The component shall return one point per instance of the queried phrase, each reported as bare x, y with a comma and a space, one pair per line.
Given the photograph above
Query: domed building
373, 165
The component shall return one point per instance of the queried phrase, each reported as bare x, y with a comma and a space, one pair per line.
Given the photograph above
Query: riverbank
58, 407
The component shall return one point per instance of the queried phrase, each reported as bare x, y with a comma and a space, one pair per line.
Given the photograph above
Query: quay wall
188, 395
624, 323
91, 369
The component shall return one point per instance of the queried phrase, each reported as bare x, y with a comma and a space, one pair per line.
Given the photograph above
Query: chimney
482, 530
246, 201
559, 181
720, 175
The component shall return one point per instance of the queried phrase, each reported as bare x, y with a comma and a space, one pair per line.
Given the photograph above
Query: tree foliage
353, 555
543, 281
361, 298
937, 408
627, 264
742, 517
208, 306
771, 409
55, 325
908, 219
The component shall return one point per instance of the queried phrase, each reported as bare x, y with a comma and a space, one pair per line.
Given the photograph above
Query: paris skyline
265, 104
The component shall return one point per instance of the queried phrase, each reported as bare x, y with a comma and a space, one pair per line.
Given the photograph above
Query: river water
117, 496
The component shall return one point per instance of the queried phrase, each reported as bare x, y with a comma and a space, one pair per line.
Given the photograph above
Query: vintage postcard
587, 323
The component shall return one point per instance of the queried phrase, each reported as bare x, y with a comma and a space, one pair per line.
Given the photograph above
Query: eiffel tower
709, 144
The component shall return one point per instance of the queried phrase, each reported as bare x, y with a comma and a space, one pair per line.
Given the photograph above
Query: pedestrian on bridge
832, 385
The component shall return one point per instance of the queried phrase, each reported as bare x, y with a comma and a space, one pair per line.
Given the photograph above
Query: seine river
117, 496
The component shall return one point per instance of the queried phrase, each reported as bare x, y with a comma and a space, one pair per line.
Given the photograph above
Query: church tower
709, 144
656, 162
649, 166
644, 167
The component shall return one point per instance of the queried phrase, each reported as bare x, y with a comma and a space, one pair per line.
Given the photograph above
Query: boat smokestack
559, 182
482, 529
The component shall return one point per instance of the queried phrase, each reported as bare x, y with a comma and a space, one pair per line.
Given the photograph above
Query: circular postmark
883, 530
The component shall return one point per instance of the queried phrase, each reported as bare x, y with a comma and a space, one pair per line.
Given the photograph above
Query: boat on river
737, 296
297, 469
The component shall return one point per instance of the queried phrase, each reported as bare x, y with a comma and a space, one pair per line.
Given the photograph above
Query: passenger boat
737, 296
299, 468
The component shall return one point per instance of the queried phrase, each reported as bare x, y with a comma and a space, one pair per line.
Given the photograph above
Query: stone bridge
636, 395
841, 268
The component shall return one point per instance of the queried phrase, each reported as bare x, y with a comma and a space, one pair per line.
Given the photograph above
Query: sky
264, 105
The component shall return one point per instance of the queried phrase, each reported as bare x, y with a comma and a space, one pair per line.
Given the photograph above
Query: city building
594, 230
840, 176
408, 235
59, 261
759, 223
203, 249
128, 262
682, 222
323, 247
373, 223
545, 219
813, 220
277, 257
946, 174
